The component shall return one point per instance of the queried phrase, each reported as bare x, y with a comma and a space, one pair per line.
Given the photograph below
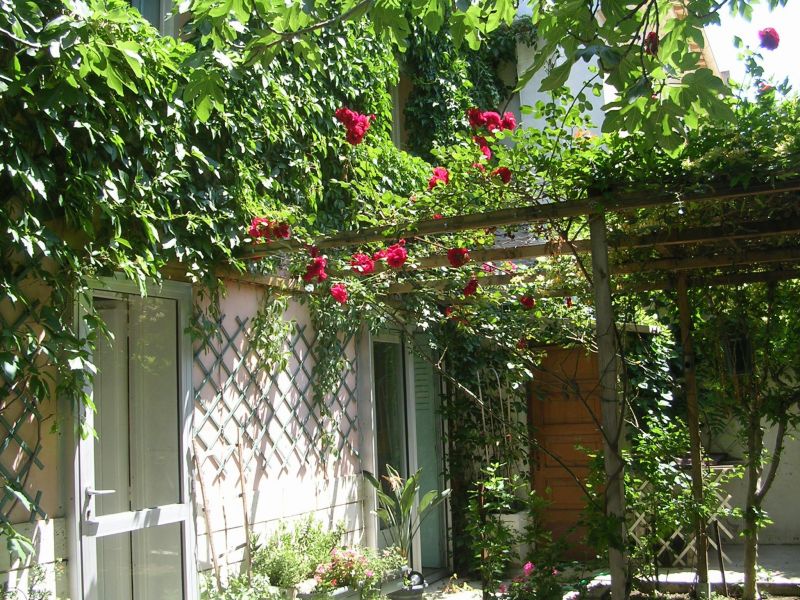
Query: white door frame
368, 419
82, 555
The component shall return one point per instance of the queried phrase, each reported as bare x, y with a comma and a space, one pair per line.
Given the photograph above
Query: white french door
408, 436
135, 525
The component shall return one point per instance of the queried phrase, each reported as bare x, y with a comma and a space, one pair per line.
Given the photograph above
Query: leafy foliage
396, 506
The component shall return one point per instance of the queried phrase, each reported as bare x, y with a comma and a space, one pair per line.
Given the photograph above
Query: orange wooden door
564, 412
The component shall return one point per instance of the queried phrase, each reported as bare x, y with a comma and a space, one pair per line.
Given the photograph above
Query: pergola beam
535, 213
694, 235
663, 264
748, 257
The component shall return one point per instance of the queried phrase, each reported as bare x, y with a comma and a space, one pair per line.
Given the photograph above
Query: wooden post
611, 416
693, 417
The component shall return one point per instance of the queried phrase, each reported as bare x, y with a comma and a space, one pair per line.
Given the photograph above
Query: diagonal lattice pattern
678, 548
270, 411
20, 421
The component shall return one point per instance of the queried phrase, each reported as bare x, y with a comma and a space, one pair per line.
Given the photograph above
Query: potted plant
289, 557
397, 511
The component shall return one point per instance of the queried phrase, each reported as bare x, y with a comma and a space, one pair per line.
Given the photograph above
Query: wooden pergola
748, 246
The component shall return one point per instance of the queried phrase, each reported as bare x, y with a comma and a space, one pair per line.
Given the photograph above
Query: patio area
779, 575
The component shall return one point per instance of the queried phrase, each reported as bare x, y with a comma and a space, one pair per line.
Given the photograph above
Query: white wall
286, 473
781, 503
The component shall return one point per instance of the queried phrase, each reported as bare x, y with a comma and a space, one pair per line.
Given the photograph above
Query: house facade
199, 445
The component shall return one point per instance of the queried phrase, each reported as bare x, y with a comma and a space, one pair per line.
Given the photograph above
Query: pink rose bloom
356, 124
493, 120
504, 173
528, 568
769, 38
439, 174
484, 145
396, 255
503, 589
475, 117
471, 287
362, 263
650, 44
509, 121
316, 269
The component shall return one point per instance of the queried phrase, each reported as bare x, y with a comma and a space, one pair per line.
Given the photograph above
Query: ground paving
778, 575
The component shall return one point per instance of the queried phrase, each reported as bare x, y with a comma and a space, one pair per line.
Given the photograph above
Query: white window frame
367, 418
80, 461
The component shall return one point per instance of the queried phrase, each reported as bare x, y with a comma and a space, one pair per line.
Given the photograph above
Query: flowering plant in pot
403, 520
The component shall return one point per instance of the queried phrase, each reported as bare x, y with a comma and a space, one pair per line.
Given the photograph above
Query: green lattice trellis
20, 421
273, 411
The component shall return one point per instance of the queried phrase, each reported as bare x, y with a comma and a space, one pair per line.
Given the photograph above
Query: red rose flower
260, 227
568, 301
458, 257
448, 312
509, 121
437, 216
396, 255
362, 263
769, 38
356, 124
282, 230
504, 173
484, 145
316, 268
439, 174
492, 120
650, 44
527, 302
471, 287
475, 117
339, 292
522, 344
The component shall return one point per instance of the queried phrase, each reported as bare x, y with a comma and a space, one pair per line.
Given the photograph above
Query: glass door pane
146, 564
430, 460
137, 457
390, 407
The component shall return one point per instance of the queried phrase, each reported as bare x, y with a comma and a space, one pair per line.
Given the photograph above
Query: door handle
89, 503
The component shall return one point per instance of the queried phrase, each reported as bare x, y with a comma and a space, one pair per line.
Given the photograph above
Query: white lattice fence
678, 548
272, 412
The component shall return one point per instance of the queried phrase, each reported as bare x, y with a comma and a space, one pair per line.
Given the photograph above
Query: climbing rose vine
650, 44
264, 229
355, 123
471, 287
316, 269
439, 174
362, 264
504, 173
458, 257
339, 292
769, 38
395, 255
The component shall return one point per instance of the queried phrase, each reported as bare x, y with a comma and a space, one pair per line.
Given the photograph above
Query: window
158, 12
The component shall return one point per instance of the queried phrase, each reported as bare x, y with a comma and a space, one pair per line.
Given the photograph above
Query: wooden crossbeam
706, 262
652, 284
693, 235
535, 213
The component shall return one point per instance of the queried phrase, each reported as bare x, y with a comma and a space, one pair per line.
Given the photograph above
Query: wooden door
564, 412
